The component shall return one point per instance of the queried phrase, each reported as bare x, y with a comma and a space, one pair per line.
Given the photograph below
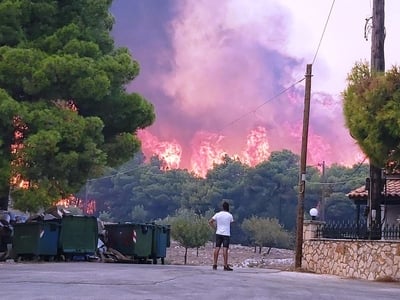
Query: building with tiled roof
391, 192
390, 201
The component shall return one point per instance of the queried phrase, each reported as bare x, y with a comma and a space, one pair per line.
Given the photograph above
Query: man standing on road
221, 221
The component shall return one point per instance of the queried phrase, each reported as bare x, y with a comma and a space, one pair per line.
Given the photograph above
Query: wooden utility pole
377, 65
303, 165
378, 37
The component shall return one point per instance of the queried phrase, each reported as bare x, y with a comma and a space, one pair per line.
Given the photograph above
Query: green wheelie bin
160, 242
144, 239
78, 237
35, 240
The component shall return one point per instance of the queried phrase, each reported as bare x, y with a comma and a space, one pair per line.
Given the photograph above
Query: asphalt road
92, 280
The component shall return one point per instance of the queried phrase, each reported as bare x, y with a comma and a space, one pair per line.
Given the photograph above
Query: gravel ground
239, 257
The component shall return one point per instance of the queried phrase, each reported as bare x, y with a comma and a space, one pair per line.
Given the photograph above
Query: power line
323, 32
341, 182
113, 175
331, 183
262, 104
290, 86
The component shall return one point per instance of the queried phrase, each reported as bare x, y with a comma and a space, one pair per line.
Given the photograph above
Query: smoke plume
215, 72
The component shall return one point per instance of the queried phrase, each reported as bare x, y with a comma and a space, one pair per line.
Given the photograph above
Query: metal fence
360, 230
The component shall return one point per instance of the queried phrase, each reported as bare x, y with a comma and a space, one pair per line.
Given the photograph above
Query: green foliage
139, 214
8, 109
63, 78
339, 208
189, 229
159, 193
120, 147
105, 216
10, 30
61, 147
372, 112
33, 198
270, 189
266, 232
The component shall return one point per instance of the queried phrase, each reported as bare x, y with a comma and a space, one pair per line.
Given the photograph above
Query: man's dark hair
225, 206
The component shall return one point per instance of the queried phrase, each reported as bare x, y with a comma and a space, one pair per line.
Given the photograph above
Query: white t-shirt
223, 220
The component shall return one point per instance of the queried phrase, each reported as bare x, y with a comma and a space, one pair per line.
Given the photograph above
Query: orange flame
206, 150
257, 147
169, 152
87, 206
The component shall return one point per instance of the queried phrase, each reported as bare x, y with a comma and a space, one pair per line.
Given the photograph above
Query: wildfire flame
169, 152
257, 147
206, 150
87, 206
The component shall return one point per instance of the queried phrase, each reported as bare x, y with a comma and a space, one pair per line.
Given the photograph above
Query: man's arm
211, 222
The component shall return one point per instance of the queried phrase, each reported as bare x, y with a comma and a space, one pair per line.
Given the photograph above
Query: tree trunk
186, 249
4, 190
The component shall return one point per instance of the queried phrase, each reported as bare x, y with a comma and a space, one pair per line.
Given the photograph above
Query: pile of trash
105, 252
6, 232
7, 221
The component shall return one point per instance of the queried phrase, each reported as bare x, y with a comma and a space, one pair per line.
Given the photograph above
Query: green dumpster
160, 242
78, 236
121, 237
35, 240
131, 239
144, 236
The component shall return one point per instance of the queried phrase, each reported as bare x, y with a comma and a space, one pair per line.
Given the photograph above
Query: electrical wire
290, 86
340, 182
262, 104
111, 176
323, 32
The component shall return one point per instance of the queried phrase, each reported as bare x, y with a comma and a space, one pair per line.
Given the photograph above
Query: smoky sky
221, 67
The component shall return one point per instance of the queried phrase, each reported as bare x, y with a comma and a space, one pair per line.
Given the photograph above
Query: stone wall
364, 259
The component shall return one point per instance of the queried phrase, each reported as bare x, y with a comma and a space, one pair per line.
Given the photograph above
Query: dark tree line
141, 191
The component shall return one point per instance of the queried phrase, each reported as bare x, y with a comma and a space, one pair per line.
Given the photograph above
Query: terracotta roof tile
393, 190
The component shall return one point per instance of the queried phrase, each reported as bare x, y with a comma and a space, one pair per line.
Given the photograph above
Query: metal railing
360, 230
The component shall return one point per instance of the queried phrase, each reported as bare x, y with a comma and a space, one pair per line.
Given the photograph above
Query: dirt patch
239, 257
